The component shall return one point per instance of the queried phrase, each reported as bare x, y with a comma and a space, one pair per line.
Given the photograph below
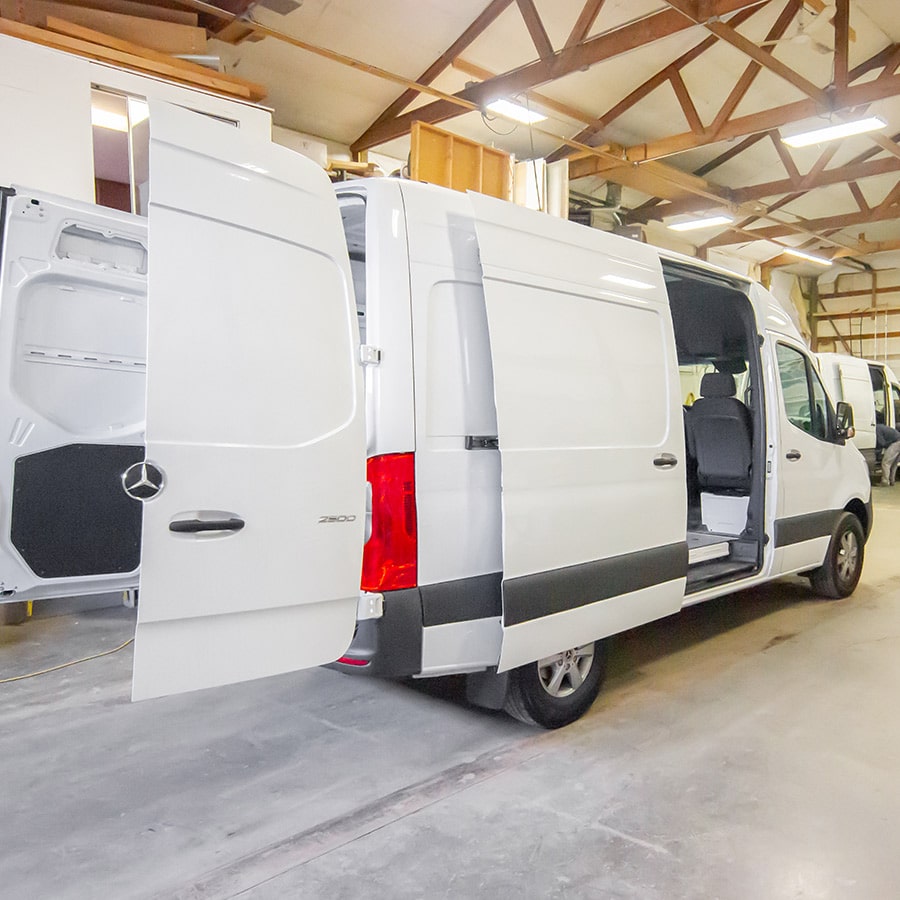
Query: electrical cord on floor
65, 665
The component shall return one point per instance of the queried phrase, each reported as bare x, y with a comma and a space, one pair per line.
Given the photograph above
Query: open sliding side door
590, 431
255, 469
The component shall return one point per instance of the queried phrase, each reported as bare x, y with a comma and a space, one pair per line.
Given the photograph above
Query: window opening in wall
353, 218
121, 140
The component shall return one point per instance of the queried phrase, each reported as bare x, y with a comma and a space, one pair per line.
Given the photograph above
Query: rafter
786, 159
563, 62
811, 226
685, 102
475, 30
585, 23
881, 60
753, 69
542, 100
731, 36
858, 196
766, 120
601, 122
730, 153
853, 171
841, 42
535, 28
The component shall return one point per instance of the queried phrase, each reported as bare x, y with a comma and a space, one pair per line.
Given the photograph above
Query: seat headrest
717, 384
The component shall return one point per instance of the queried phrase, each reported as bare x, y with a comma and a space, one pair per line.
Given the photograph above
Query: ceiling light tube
515, 111
834, 132
807, 256
696, 224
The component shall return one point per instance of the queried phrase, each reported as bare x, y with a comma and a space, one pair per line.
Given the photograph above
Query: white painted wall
45, 100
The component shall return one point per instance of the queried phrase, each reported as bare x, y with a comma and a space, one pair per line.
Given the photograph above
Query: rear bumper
391, 645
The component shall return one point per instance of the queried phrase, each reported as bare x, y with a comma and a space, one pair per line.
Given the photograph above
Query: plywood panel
439, 157
166, 37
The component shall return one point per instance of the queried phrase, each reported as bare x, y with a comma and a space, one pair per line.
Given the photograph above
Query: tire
559, 689
838, 576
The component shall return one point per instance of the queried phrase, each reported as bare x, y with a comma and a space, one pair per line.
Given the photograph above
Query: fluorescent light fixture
808, 256
103, 118
627, 282
696, 224
515, 111
833, 132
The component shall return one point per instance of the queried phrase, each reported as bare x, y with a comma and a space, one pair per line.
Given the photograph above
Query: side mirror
844, 420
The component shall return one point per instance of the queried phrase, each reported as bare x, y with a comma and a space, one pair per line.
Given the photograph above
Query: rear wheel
838, 576
557, 690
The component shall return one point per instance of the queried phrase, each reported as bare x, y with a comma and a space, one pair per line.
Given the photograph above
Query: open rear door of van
254, 482
590, 431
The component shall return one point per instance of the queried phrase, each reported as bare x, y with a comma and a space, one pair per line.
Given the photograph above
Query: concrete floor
748, 748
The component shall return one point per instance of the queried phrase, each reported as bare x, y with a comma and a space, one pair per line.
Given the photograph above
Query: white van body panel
73, 340
579, 323
847, 378
254, 414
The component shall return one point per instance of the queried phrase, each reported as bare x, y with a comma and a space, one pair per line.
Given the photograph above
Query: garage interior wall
48, 93
864, 308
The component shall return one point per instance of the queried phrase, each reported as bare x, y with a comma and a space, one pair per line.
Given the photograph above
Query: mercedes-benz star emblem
143, 481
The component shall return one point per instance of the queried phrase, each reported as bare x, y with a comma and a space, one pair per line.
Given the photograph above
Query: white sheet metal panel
72, 347
254, 412
586, 388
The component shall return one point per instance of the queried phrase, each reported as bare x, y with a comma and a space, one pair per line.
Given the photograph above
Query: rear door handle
198, 526
793, 455
665, 461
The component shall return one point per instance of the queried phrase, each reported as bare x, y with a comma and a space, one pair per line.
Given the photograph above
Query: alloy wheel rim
563, 673
848, 556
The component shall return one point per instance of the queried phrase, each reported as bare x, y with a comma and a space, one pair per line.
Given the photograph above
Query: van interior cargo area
718, 359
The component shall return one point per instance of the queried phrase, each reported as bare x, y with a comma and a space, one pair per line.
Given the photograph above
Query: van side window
895, 394
878, 391
805, 401
353, 218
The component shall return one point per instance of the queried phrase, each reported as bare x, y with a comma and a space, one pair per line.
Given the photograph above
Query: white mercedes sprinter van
871, 388
477, 407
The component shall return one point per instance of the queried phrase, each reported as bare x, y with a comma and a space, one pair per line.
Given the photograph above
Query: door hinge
369, 355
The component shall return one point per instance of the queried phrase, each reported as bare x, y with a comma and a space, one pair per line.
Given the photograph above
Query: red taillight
389, 557
352, 661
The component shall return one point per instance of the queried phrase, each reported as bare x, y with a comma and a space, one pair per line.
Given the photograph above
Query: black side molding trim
534, 596
806, 527
462, 600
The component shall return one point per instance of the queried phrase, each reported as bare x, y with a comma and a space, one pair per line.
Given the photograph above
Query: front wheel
557, 690
838, 576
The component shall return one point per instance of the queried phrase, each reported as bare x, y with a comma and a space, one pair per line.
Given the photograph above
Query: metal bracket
369, 355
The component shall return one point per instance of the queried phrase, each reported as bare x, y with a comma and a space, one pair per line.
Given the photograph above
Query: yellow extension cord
65, 665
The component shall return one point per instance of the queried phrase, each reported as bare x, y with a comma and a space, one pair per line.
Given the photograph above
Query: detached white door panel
590, 431
72, 352
252, 548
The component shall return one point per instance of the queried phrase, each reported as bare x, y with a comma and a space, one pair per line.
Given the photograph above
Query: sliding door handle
793, 455
665, 461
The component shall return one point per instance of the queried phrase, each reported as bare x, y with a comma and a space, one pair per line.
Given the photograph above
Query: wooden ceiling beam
730, 153
757, 192
841, 43
881, 60
475, 30
599, 123
786, 159
766, 120
563, 62
739, 91
685, 102
585, 23
858, 196
810, 226
545, 102
535, 28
